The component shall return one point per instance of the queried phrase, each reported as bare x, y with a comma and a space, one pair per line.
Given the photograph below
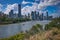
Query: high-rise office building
19, 10
35, 15
32, 15
38, 16
42, 16
47, 15
11, 14
25, 16
28, 15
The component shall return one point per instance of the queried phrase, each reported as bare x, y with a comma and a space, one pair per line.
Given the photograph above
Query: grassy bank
53, 34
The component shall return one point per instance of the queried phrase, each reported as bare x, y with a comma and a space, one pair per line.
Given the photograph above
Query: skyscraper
32, 15
35, 15
47, 15
19, 10
42, 16
28, 15
11, 15
38, 16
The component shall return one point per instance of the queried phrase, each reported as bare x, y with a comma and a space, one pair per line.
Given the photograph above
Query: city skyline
28, 6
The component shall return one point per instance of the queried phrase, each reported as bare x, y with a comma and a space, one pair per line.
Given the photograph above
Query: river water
12, 29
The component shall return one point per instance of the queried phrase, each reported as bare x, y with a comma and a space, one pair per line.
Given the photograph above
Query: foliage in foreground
35, 29
54, 23
22, 36
16, 37
53, 34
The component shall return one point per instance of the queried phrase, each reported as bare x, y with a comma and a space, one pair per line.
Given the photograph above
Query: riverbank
50, 32
6, 23
35, 34
13, 21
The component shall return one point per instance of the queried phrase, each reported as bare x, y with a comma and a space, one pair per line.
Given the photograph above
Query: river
12, 29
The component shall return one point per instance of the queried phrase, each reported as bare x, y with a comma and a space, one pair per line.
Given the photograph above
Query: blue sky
10, 1
52, 6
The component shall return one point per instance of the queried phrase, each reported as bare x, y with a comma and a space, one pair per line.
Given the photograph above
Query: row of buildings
34, 15
37, 16
14, 15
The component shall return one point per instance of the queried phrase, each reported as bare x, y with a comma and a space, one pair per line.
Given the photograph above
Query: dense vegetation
5, 20
54, 23
51, 32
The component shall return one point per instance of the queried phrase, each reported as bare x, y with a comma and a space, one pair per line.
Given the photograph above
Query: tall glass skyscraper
11, 14
19, 10
33, 16
38, 16
42, 16
47, 15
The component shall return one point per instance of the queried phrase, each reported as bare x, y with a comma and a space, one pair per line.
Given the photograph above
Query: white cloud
10, 7
40, 6
15, 6
24, 2
29, 9
26, 10
1, 7
47, 3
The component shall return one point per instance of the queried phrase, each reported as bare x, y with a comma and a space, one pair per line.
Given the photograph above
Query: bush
35, 29
54, 23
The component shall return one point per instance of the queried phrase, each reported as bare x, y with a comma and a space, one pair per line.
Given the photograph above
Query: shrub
35, 29
54, 23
